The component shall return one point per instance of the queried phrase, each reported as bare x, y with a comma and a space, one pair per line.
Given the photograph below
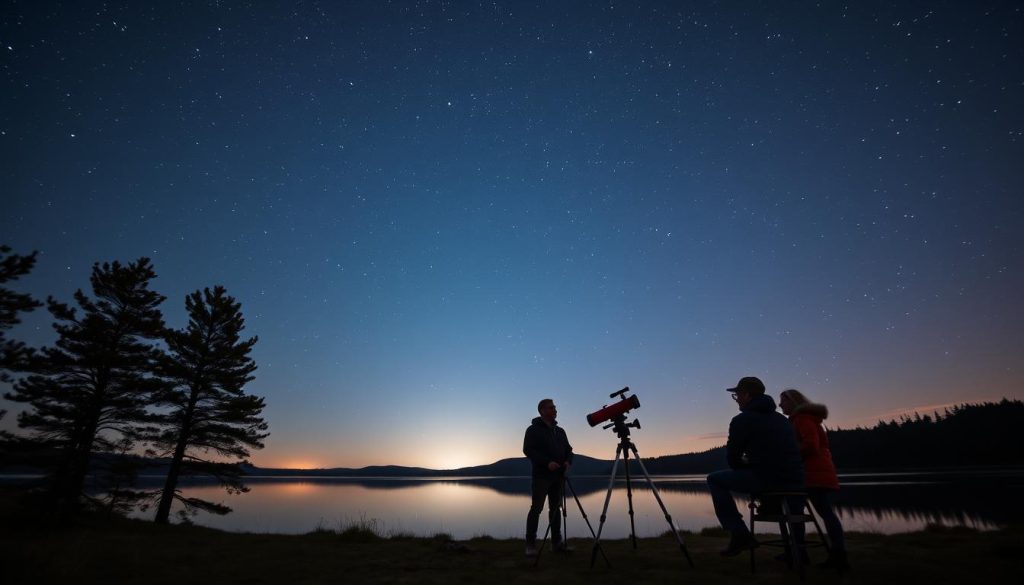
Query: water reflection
467, 507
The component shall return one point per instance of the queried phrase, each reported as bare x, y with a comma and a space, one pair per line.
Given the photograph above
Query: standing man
763, 455
550, 454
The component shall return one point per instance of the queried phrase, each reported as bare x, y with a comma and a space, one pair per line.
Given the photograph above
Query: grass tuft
442, 537
714, 531
362, 530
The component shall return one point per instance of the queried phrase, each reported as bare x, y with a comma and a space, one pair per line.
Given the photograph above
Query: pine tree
12, 353
207, 367
12, 267
91, 389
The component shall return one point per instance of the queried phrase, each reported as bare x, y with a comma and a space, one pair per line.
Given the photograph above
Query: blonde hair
795, 396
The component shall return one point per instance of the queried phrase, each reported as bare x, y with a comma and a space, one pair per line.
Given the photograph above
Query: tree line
964, 435
118, 382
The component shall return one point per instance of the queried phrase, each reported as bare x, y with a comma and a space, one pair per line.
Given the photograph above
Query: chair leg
793, 548
753, 510
787, 543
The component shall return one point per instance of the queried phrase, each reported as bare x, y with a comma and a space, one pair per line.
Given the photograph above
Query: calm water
467, 507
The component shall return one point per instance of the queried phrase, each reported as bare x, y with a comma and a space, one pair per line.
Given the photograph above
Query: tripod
565, 523
622, 450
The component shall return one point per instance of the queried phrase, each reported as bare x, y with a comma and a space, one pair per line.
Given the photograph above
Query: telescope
617, 414
619, 408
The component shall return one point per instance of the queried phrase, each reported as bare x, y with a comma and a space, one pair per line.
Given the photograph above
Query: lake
496, 506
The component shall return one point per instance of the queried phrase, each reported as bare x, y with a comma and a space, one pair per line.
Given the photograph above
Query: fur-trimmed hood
816, 410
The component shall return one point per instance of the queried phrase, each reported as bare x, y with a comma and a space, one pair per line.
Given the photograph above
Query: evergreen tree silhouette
91, 389
966, 435
207, 367
13, 354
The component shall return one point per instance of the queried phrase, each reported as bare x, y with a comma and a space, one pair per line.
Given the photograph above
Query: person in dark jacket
763, 455
821, 478
550, 454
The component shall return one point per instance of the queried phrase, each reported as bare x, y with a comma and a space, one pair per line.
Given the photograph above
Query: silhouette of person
819, 471
550, 454
763, 455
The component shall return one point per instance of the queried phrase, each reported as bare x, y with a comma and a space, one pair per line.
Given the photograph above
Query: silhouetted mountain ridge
512, 466
961, 436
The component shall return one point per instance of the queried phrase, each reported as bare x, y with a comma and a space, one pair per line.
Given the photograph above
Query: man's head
547, 410
746, 389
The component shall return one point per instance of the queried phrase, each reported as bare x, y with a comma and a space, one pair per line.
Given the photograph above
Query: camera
619, 408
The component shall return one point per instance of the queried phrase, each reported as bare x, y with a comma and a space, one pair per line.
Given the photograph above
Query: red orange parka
819, 470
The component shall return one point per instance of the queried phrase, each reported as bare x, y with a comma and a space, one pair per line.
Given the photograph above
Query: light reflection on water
467, 507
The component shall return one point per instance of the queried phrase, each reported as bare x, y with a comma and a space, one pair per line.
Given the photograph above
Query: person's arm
533, 448
736, 445
568, 452
568, 449
807, 436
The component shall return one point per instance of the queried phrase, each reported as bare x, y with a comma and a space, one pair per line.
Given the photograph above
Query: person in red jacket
819, 471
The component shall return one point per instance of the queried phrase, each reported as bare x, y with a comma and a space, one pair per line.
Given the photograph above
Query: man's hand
552, 466
567, 465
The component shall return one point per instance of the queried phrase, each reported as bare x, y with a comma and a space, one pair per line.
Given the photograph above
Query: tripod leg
587, 520
657, 496
629, 495
604, 511
540, 549
565, 514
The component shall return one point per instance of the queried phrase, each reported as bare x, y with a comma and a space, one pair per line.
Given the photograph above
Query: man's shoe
564, 547
739, 543
531, 549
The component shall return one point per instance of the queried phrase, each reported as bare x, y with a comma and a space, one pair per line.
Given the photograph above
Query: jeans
551, 489
821, 499
722, 484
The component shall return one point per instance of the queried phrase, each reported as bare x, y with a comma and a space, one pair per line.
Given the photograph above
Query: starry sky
435, 214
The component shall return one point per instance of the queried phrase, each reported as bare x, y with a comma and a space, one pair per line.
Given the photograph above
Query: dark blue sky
436, 213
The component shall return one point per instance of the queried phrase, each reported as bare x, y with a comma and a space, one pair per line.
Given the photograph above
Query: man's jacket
762, 440
543, 444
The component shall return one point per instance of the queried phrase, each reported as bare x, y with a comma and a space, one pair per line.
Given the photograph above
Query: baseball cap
748, 384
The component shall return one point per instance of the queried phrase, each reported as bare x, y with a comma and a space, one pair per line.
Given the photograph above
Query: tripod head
622, 427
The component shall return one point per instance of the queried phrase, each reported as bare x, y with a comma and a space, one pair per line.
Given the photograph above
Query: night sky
435, 214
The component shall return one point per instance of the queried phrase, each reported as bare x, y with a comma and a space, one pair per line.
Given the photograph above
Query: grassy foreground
131, 551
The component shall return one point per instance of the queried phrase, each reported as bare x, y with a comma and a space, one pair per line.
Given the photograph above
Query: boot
740, 542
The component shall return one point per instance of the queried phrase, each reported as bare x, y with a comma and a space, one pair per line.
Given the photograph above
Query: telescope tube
610, 412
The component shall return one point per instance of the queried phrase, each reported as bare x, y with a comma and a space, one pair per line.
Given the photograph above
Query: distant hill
513, 466
689, 463
516, 466
965, 435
